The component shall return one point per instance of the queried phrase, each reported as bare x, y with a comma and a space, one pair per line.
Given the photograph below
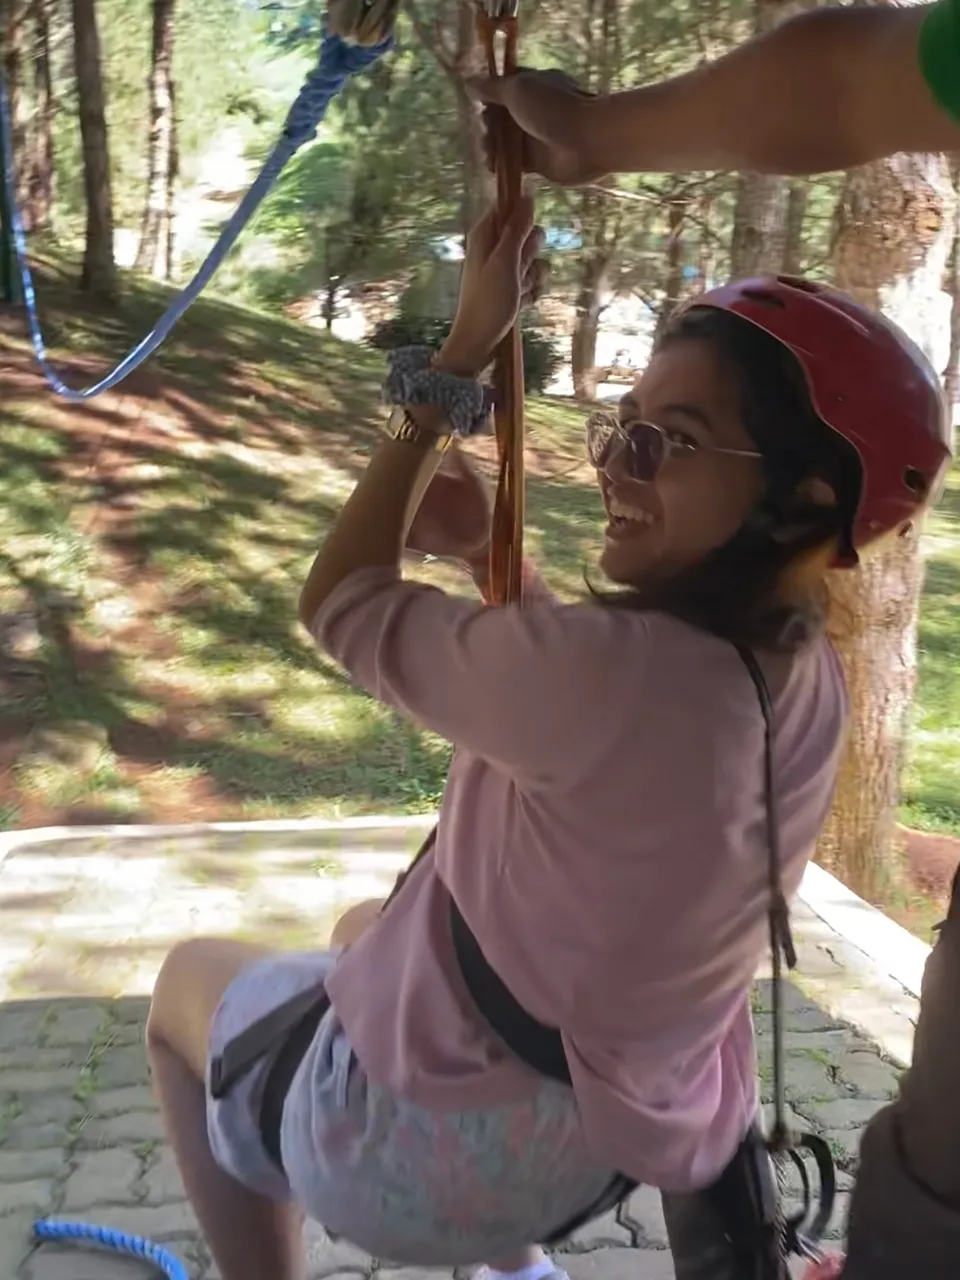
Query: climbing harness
748, 1195
357, 33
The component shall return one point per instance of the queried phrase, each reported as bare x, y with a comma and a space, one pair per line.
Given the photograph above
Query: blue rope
117, 1241
339, 60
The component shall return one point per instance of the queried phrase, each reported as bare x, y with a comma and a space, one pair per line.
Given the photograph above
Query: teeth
624, 512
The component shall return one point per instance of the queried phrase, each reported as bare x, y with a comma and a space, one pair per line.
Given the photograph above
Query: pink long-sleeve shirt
602, 834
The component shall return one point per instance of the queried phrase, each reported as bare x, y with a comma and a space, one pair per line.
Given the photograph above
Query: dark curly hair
764, 588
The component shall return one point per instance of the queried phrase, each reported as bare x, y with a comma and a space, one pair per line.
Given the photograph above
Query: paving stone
16, 1241
403, 1273
21, 1026
130, 1010
605, 1230
809, 1078
102, 1177
620, 1264
82, 1262
34, 1110
59, 1080
325, 1257
869, 1075
36, 1194
35, 1137
128, 1033
157, 1222
162, 1180
847, 1113
30, 1058
121, 1066
644, 1213
126, 1128
74, 1024
845, 1144
23, 1166
134, 1097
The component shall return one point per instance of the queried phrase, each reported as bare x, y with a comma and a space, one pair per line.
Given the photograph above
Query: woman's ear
817, 491
812, 496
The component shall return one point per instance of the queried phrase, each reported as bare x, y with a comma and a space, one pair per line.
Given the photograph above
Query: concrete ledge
11, 841
898, 953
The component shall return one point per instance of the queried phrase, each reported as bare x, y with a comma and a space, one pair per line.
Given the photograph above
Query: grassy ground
152, 545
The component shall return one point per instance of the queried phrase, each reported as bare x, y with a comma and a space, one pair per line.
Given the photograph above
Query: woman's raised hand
501, 272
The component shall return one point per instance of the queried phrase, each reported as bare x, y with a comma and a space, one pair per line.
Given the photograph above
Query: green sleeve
939, 50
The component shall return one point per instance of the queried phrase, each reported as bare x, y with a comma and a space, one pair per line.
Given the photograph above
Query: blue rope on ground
116, 1241
339, 60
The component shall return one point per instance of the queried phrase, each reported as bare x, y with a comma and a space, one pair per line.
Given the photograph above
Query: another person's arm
826, 90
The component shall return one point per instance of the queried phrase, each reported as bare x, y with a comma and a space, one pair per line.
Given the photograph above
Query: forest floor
152, 546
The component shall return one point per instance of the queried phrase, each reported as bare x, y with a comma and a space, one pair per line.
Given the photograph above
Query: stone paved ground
83, 926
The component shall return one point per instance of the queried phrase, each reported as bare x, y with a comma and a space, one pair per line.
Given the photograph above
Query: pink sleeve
521, 687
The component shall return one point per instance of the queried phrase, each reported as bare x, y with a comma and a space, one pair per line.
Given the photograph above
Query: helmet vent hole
915, 480
798, 282
761, 295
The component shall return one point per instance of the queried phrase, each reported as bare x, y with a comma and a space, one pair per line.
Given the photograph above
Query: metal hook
363, 22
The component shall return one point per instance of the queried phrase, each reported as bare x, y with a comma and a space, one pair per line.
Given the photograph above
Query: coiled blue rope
339, 60
116, 1241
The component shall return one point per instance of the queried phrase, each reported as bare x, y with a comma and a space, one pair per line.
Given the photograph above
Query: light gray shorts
406, 1184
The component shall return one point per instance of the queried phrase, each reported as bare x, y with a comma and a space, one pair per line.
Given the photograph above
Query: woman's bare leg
252, 1238
354, 921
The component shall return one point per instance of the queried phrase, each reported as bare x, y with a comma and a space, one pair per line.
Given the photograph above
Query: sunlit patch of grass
932, 779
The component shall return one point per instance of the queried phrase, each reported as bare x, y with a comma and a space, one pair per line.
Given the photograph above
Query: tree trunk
14, 27
675, 256
895, 227
152, 252
759, 225
759, 219
42, 167
583, 344
951, 372
99, 273
173, 174
793, 237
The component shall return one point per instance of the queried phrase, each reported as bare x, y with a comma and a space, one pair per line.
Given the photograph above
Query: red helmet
867, 381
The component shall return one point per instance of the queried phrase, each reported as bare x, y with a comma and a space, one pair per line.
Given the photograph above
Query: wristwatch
404, 427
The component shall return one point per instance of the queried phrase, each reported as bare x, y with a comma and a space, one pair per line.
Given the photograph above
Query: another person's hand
562, 131
453, 520
501, 272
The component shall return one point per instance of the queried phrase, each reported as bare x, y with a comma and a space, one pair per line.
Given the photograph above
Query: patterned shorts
406, 1184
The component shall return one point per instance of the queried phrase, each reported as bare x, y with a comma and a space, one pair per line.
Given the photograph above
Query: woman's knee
355, 921
189, 987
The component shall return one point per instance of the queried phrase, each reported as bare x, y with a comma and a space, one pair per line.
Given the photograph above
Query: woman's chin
619, 566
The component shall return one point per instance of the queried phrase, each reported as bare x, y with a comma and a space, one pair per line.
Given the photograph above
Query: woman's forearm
829, 89
372, 527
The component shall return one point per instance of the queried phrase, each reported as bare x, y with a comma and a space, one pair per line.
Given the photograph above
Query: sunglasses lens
646, 453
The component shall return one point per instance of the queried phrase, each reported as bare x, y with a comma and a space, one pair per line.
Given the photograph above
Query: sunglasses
646, 446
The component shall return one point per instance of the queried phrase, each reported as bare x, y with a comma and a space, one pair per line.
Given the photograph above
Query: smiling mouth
625, 518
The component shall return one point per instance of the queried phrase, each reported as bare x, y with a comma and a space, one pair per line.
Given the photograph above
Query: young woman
601, 841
